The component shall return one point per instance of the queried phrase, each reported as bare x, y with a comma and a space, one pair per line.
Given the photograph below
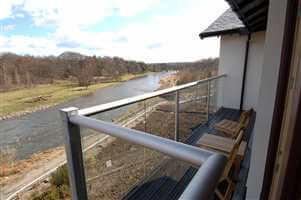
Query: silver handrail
211, 164
181, 151
202, 186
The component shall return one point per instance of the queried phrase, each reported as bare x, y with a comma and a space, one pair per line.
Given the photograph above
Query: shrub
187, 76
59, 189
53, 193
60, 177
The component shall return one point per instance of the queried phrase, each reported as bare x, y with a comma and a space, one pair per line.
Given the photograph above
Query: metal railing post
177, 116
74, 155
208, 100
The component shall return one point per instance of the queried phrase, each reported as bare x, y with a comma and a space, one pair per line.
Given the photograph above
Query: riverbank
28, 100
185, 76
169, 81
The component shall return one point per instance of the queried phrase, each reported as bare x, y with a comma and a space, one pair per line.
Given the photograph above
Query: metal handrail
181, 151
120, 103
211, 164
201, 187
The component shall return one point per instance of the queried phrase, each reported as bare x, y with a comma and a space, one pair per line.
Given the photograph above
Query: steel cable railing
211, 164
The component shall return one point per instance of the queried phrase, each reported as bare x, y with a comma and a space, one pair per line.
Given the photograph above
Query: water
42, 130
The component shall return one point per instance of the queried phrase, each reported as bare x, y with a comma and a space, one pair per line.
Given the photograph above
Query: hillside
68, 55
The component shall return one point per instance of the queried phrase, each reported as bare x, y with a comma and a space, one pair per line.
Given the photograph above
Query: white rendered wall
267, 93
254, 69
232, 54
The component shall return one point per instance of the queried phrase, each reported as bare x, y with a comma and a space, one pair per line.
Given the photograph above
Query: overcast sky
144, 30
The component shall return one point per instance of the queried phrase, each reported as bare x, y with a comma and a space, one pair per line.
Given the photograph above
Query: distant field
29, 99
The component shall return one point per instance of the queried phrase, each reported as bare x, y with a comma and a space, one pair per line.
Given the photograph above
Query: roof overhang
244, 17
253, 13
241, 31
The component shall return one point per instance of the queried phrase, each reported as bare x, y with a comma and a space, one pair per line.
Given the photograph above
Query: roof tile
227, 21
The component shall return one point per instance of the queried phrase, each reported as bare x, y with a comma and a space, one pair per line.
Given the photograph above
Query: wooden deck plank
220, 143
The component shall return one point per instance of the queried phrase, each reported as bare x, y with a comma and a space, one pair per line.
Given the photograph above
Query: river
42, 130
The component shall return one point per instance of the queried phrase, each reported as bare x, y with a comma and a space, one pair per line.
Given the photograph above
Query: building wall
232, 53
254, 69
267, 95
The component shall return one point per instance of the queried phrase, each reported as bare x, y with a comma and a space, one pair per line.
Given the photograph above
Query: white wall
267, 93
254, 69
232, 54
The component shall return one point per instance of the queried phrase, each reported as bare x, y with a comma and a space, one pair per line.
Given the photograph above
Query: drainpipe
244, 73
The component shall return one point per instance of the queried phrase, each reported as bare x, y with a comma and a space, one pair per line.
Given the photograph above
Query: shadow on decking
171, 177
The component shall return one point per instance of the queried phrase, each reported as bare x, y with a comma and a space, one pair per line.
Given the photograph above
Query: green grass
58, 92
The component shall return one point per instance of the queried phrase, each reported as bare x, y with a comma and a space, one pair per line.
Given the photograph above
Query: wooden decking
170, 178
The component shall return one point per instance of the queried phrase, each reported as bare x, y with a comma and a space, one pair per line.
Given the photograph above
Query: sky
142, 30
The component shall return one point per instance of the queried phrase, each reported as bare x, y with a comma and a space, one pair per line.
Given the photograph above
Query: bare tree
84, 72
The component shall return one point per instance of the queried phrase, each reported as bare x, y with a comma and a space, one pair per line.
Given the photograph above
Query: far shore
24, 101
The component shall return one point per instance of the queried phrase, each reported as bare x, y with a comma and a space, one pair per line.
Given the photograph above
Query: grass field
29, 99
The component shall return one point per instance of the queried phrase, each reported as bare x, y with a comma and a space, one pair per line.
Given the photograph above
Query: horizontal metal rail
169, 147
117, 104
211, 164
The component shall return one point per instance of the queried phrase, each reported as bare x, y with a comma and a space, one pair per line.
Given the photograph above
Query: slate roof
227, 23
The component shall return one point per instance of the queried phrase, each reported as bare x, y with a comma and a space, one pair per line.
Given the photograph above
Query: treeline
190, 71
204, 65
26, 71
23, 71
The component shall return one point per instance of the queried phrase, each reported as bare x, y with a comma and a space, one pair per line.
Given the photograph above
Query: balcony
165, 166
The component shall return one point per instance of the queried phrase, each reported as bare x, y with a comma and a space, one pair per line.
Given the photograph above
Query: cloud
174, 37
27, 45
162, 37
121, 39
133, 7
68, 44
19, 15
7, 28
6, 7
82, 12
154, 46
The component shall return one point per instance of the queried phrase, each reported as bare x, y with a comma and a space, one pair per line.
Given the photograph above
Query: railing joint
73, 148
